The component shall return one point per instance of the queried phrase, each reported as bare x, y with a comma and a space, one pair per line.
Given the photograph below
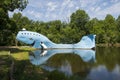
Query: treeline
107, 31
8, 27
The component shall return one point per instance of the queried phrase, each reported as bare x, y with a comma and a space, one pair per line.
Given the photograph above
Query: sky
48, 10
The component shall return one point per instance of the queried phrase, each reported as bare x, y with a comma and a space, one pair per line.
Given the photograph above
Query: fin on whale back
86, 42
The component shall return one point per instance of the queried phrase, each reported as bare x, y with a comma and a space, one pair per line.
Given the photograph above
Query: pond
100, 64
60, 64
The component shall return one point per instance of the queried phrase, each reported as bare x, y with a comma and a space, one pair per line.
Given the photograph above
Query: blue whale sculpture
40, 41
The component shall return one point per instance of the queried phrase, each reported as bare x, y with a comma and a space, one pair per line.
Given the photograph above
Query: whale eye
31, 38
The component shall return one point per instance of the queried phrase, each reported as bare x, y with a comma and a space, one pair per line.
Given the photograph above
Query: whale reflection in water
39, 57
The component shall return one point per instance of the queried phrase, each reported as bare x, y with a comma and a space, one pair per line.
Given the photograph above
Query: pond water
99, 64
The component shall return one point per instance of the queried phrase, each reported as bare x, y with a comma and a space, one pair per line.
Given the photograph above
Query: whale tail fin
86, 42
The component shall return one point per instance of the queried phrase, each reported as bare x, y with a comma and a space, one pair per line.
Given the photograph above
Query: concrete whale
38, 40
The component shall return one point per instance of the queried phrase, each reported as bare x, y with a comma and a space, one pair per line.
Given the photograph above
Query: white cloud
101, 13
83, 3
77, 8
97, 9
37, 15
33, 14
87, 3
71, 4
46, 10
47, 16
114, 1
105, 3
63, 6
51, 17
37, 4
92, 8
51, 6
114, 9
66, 2
69, 13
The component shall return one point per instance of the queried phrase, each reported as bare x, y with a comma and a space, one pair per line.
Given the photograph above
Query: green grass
20, 56
4, 53
26, 48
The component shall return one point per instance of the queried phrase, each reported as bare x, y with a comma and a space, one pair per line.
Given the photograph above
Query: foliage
107, 30
11, 5
8, 26
79, 19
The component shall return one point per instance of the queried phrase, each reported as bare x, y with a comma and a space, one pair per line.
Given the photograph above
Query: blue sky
48, 10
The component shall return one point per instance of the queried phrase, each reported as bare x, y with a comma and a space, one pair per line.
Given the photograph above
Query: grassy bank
15, 64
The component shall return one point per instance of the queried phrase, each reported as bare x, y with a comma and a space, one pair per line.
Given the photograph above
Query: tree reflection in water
102, 64
68, 61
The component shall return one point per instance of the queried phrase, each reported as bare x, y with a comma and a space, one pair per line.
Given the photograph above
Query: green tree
118, 28
11, 5
110, 29
7, 26
79, 20
95, 26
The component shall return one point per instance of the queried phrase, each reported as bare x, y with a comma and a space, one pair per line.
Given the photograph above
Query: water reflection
102, 64
103, 73
39, 57
68, 61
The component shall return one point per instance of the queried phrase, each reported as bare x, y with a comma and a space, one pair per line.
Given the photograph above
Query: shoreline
16, 48
97, 45
108, 45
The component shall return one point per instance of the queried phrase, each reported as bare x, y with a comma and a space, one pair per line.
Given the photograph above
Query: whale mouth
33, 43
93, 48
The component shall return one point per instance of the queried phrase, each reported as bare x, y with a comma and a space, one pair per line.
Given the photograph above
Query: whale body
35, 39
